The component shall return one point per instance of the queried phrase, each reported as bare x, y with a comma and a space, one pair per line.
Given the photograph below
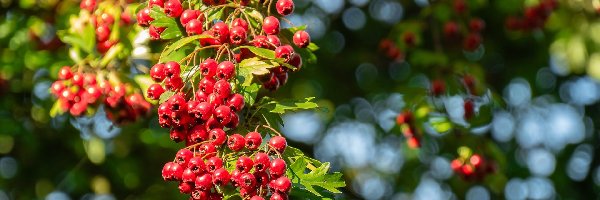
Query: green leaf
165, 96
265, 53
253, 66
295, 105
180, 43
172, 28
177, 54
250, 92
317, 176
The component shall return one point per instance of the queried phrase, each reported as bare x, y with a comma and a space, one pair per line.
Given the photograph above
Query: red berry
234, 122
166, 171
235, 175
274, 41
198, 194
225, 70
196, 164
221, 177
236, 142
253, 140
65, 73
215, 101
278, 143
102, 33
57, 88
155, 32
237, 35
438, 87
244, 164
185, 187
221, 32
472, 42
206, 85
261, 41
262, 162
222, 88
469, 107
172, 69
204, 182
77, 109
202, 111
213, 164
257, 198
247, 181
198, 134
277, 167
143, 17
183, 157
77, 79
157, 72
271, 25
278, 196
88, 5
286, 52
285, 7
174, 83
262, 178
176, 171
236, 102
247, 193
282, 185
173, 8
301, 39
159, 3
404, 117
217, 136
188, 15
296, 61
154, 91
241, 23
208, 151
451, 29
222, 114
209, 67
188, 176
177, 134
193, 27
272, 84
476, 25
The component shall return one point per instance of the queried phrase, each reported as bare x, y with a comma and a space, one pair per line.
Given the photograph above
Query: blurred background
536, 106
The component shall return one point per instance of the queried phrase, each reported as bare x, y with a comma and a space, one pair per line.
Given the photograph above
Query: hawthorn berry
274, 41
277, 168
189, 15
284, 7
221, 32
271, 25
102, 33
196, 164
208, 68
172, 69
193, 27
262, 162
278, 196
278, 143
208, 151
282, 185
159, 3
88, 5
213, 164
301, 39
221, 177
222, 114
236, 102
244, 164
198, 133
253, 140
188, 175
237, 36
247, 181
240, 22
204, 182
225, 70
65, 73
155, 32
183, 157
236, 142
174, 83
173, 8
143, 17
286, 52
217, 136
157, 72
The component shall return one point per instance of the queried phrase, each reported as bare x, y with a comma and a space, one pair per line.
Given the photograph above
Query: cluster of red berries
474, 167
102, 25
235, 33
470, 36
201, 172
204, 117
76, 91
534, 17
407, 125
390, 50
